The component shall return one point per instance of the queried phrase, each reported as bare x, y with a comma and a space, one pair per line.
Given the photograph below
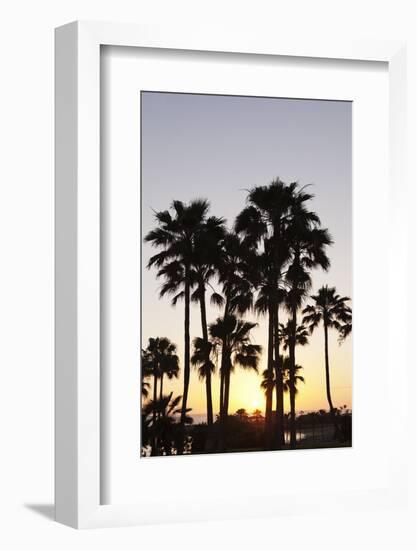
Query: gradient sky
216, 147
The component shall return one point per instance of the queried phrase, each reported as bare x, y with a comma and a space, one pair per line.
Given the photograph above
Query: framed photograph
222, 335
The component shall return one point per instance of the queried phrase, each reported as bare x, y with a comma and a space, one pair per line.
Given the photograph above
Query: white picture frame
77, 243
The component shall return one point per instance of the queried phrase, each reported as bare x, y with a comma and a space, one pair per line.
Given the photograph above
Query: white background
26, 274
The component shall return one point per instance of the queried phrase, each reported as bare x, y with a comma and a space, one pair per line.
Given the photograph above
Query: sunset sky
217, 147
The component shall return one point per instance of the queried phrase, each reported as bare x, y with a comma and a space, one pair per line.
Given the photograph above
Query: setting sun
255, 404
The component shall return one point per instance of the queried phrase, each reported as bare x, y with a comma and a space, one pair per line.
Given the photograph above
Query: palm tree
264, 222
238, 352
290, 383
268, 298
290, 339
146, 372
308, 243
285, 362
159, 425
175, 234
202, 351
234, 267
206, 246
344, 331
159, 358
169, 365
333, 311
287, 367
286, 334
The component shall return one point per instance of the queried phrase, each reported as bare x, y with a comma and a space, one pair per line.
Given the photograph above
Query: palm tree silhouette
206, 244
202, 351
238, 352
286, 367
308, 243
145, 388
332, 310
169, 365
265, 222
159, 425
176, 234
289, 383
235, 275
159, 359
290, 339
146, 372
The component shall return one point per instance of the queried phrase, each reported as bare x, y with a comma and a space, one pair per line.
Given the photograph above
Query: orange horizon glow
245, 391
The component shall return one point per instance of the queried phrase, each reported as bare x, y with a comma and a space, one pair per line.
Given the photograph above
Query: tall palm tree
236, 276
308, 243
176, 233
206, 246
332, 310
239, 351
264, 222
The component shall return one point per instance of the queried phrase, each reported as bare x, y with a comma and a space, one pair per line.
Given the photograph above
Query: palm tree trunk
180, 438
186, 344
279, 386
207, 355
221, 393
326, 356
268, 407
223, 360
222, 412
222, 420
328, 392
293, 433
155, 398
161, 385
227, 392
155, 391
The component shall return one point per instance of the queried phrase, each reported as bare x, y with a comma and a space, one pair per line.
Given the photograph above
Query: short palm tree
160, 428
285, 361
146, 372
202, 351
234, 266
332, 310
159, 359
287, 379
175, 234
169, 365
239, 351
286, 332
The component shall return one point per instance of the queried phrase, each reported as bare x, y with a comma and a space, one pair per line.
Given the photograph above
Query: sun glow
255, 404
